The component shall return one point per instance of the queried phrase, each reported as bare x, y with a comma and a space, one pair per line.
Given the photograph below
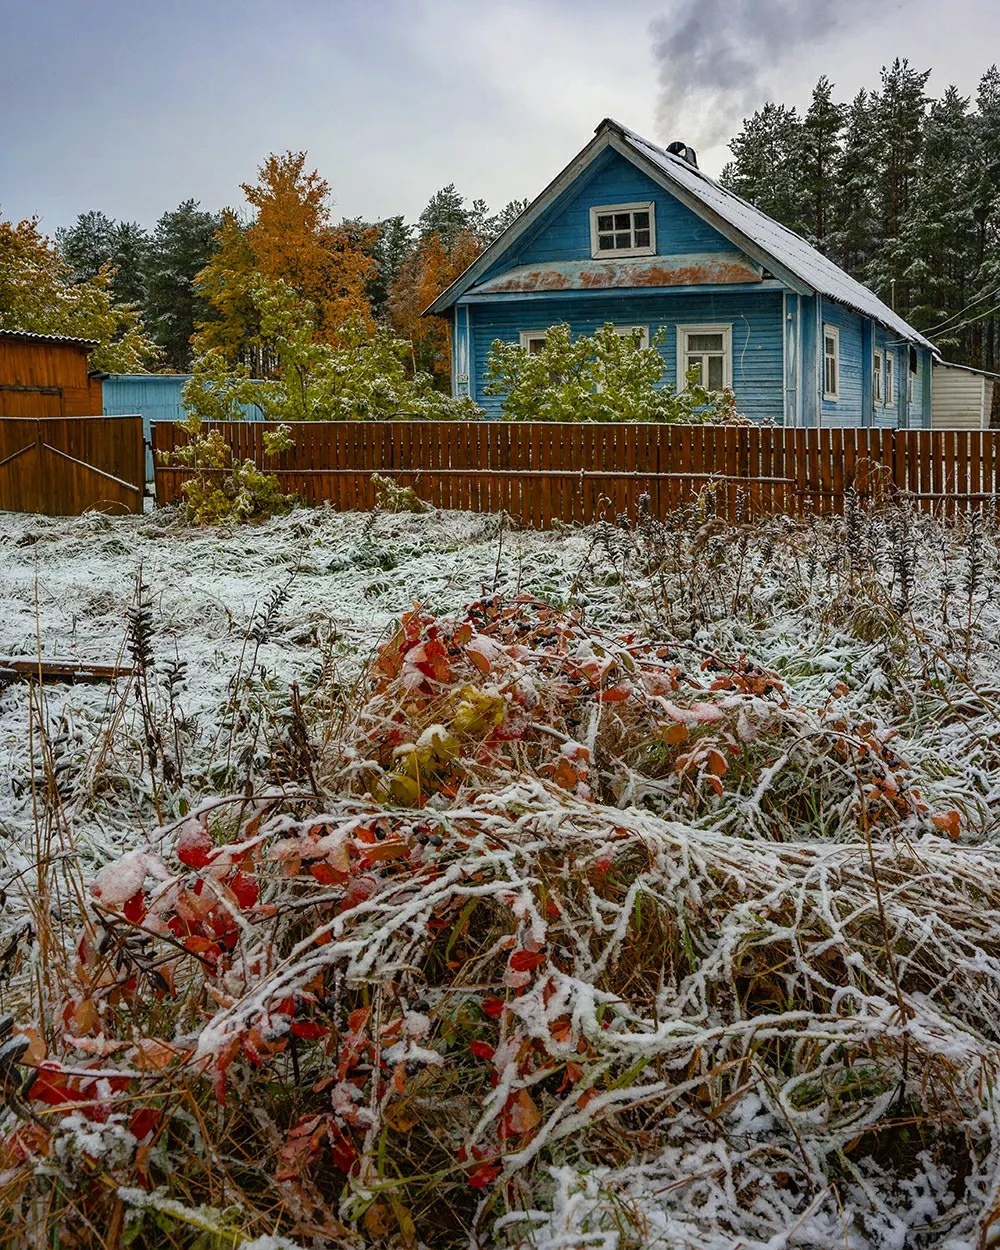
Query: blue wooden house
637, 235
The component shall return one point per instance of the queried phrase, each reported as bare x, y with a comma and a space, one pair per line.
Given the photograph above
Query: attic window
623, 230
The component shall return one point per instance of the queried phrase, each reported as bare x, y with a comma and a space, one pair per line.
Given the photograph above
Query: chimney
684, 152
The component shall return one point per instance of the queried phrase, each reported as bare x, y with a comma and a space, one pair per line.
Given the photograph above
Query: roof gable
796, 262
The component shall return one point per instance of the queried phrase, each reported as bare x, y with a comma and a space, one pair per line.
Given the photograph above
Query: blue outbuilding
637, 235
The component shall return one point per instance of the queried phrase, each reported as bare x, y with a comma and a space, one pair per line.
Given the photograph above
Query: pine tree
446, 216
767, 164
820, 146
88, 245
853, 239
182, 244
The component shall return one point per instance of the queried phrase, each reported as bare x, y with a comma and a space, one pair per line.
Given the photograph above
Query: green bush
602, 377
221, 488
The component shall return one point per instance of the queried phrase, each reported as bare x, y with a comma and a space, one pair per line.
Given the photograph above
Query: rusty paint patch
704, 269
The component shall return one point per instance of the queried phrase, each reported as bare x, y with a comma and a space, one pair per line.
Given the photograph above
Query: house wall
564, 231
756, 318
846, 410
959, 399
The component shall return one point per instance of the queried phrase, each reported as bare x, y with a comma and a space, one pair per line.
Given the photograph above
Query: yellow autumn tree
427, 271
38, 292
290, 238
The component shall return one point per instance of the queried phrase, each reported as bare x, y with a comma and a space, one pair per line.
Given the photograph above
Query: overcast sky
130, 106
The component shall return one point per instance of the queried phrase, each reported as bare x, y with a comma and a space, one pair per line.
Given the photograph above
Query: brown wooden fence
539, 472
61, 466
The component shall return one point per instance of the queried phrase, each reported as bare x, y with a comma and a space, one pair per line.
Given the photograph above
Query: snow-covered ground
884, 640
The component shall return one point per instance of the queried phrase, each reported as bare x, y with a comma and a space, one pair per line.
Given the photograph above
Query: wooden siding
155, 397
564, 232
756, 318
538, 473
960, 399
44, 379
846, 410
63, 466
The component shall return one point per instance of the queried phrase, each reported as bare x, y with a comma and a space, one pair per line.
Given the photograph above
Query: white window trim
727, 349
878, 376
622, 331
832, 332
890, 379
640, 206
911, 380
527, 335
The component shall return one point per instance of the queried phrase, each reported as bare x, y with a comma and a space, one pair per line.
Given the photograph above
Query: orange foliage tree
427, 271
290, 238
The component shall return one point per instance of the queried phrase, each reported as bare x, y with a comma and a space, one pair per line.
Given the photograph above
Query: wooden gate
63, 466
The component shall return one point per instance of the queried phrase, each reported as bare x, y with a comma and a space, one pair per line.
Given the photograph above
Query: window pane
831, 347
715, 373
535, 346
640, 221
623, 221
623, 241
694, 362
605, 221
705, 342
642, 238
605, 242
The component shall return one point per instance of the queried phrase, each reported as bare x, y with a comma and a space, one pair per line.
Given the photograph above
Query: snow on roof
784, 245
764, 239
950, 364
47, 338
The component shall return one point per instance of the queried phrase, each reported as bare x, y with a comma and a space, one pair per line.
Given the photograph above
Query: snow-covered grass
640, 888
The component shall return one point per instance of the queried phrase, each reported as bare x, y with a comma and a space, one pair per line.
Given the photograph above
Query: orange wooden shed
45, 375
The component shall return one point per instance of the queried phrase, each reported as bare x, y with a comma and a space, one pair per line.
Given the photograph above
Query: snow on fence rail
541, 472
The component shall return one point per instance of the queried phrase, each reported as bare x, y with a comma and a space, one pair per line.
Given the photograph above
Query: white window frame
890, 379
527, 336
831, 333
726, 330
622, 331
647, 206
878, 374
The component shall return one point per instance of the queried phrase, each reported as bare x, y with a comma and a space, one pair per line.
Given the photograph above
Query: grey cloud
713, 58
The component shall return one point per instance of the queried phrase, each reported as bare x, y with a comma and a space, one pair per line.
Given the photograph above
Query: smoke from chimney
714, 56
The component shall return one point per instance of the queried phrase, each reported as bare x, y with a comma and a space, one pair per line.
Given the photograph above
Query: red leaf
135, 908
144, 1121
245, 888
345, 1156
525, 961
484, 1175
51, 1086
615, 694
325, 874
493, 1007
194, 848
482, 1050
310, 1030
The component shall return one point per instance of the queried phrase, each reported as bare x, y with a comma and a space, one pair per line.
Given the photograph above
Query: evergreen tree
87, 245
446, 216
391, 248
183, 243
128, 260
820, 145
767, 164
852, 241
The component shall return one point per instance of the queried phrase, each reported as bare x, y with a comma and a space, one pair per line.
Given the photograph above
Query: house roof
28, 336
781, 250
690, 269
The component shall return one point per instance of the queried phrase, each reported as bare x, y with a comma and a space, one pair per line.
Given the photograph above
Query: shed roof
784, 252
949, 364
31, 337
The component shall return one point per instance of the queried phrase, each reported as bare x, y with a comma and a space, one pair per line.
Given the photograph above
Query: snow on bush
660, 910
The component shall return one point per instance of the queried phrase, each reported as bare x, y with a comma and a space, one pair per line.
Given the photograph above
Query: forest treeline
186, 274
899, 188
